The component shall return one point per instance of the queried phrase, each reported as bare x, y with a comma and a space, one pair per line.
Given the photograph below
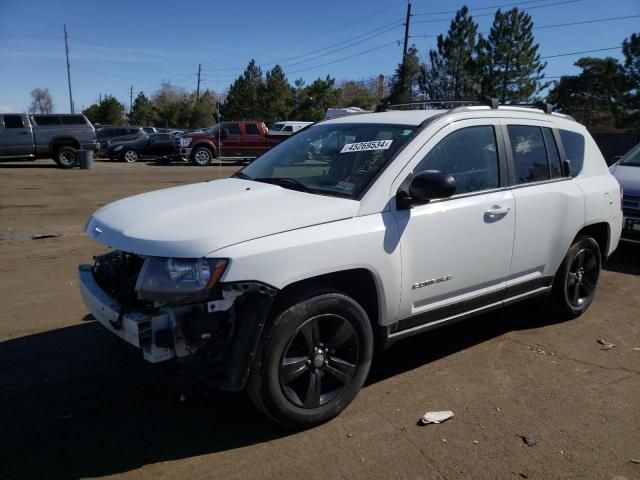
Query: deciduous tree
41, 101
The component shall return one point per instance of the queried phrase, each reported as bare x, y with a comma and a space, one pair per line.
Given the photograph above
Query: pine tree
142, 111
631, 116
108, 112
314, 99
406, 79
451, 71
593, 97
243, 100
509, 61
276, 96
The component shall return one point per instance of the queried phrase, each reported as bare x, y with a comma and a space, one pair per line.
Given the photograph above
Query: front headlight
178, 279
117, 148
185, 142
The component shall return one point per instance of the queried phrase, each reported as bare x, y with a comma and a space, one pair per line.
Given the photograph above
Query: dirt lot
75, 402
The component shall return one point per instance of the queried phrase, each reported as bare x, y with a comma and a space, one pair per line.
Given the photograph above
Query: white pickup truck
380, 225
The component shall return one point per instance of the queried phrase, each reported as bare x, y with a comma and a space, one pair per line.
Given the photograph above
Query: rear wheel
314, 360
66, 157
201, 156
130, 156
575, 283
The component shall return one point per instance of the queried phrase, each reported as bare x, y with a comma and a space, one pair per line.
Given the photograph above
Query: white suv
380, 225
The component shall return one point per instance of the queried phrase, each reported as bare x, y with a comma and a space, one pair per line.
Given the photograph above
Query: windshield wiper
285, 182
243, 176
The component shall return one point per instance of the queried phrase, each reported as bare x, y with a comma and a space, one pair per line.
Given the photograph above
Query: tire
130, 156
576, 281
201, 156
313, 360
66, 157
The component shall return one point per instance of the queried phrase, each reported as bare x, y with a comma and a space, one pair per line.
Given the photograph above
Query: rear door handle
497, 210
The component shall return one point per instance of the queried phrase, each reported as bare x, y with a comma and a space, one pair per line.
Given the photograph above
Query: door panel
455, 249
232, 144
253, 142
16, 136
550, 209
458, 248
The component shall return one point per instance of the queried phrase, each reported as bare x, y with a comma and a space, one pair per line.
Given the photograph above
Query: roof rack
491, 102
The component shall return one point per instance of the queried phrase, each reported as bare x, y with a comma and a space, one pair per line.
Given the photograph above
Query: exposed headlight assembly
185, 141
178, 279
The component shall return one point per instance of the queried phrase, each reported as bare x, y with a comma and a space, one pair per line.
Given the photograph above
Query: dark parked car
109, 135
156, 145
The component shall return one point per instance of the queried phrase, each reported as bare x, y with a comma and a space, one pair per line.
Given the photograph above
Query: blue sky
115, 44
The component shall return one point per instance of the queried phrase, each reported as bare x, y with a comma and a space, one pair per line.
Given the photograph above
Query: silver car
627, 172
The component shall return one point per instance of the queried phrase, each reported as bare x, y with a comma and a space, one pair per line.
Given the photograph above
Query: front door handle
497, 210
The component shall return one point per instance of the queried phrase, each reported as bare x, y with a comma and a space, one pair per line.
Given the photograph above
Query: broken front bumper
181, 331
134, 327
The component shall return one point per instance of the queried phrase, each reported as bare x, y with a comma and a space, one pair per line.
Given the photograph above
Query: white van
287, 128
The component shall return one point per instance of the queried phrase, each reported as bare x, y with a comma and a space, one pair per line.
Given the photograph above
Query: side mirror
424, 187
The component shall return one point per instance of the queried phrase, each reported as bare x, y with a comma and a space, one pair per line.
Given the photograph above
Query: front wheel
314, 359
575, 283
66, 157
201, 156
130, 156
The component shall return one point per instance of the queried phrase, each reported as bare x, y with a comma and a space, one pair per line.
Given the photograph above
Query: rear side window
469, 155
233, 128
555, 166
251, 129
13, 121
73, 120
529, 154
46, 120
288, 128
573, 144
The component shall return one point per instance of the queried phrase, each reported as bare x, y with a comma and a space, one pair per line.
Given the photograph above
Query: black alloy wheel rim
582, 277
319, 361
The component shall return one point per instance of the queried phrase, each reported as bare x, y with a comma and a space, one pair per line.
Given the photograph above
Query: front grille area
117, 273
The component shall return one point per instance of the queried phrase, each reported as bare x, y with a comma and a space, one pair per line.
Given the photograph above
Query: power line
610, 19
580, 53
376, 31
599, 20
512, 4
345, 58
339, 49
340, 27
492, 14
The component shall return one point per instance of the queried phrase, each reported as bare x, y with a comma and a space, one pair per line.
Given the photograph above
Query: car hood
628, 177
192, 221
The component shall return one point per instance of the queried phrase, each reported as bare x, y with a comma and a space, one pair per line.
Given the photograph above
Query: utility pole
99, 99
198, 87
66, 47
406, 31
130, 102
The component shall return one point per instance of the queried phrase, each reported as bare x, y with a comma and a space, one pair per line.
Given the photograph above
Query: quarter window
13, 121
529, 154
573, 144
469, 155
251, 129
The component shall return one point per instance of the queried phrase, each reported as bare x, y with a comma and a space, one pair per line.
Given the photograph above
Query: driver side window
469, 155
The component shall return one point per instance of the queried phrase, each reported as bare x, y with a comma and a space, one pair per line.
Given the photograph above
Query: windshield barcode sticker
366, 146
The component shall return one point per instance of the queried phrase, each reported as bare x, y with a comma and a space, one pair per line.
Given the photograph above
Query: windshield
632, 158
332, 159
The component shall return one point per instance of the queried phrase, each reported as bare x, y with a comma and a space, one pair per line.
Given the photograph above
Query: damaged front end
176, 308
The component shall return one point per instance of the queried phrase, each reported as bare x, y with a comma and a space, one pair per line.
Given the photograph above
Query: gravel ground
75, 402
